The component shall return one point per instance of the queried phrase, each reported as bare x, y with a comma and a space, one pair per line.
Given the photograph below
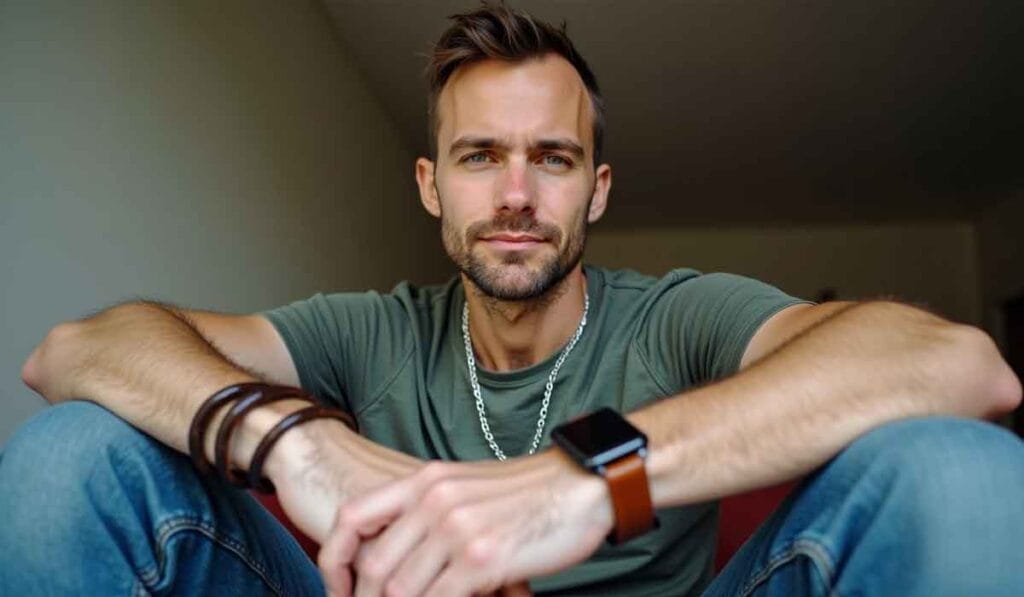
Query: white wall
930, 263
217, 154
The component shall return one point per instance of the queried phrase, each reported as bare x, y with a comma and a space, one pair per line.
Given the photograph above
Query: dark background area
832, 111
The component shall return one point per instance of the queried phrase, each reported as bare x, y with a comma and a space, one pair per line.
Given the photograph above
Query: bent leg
90, 505
931, 506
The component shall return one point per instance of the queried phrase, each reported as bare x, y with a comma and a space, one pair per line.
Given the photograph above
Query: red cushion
742, 514
270, 503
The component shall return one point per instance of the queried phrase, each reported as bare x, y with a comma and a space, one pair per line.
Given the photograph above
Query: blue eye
476, 158
556, 160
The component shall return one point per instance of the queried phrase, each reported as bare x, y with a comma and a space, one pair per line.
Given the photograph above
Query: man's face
514, 183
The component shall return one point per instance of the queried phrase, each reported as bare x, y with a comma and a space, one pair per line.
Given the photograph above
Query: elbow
30, 371
38, 370
52, 369
994, 385
1006, 391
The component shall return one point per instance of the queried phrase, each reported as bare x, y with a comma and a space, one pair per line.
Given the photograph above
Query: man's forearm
151, 367
142, 361
791, 412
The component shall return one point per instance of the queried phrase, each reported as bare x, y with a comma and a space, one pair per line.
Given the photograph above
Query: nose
515, 188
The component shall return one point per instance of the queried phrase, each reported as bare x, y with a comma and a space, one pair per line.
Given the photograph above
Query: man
451, 486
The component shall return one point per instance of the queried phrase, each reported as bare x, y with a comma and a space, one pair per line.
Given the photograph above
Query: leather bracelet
202, 418
222, 445
256, 479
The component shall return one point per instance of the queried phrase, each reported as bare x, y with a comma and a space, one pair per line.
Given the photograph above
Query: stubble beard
513, 279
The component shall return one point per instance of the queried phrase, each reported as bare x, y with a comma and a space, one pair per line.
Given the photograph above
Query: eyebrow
470, 142
567, 145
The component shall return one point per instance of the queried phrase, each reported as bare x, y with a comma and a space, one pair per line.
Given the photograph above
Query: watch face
599, 438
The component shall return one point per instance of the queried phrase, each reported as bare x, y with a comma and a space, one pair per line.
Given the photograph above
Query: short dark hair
495, 31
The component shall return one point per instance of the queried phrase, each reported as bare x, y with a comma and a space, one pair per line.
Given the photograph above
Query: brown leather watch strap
631, 498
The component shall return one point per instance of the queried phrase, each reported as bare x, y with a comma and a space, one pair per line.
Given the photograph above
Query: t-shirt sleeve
698, 329
344, 345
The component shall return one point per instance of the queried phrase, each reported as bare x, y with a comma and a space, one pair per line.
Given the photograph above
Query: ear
428, 187
602, 186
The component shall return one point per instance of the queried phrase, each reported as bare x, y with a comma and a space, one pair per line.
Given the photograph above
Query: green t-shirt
397, 362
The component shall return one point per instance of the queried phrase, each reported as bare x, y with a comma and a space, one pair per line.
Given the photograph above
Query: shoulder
629, 290
428, 304
405, 298
630, 282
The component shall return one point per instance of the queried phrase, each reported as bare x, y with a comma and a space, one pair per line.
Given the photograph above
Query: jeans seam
810, 548
176, 525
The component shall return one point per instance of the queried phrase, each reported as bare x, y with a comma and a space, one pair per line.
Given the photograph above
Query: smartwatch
605, 443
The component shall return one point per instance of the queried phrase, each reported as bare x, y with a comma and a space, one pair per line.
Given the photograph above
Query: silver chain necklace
542, 419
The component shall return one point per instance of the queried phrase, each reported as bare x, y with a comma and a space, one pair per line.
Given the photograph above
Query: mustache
514, 222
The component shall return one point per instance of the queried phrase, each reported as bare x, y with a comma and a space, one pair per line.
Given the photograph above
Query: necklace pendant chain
548, 388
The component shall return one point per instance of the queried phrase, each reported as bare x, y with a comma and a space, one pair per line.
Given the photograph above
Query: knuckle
395, 588
372, 569
347, 517
457, 523
479, 553
434, 471
439, 497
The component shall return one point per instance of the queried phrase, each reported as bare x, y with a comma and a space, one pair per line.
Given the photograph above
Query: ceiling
741, 112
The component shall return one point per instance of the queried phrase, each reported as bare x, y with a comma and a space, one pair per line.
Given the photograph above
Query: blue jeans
89, 505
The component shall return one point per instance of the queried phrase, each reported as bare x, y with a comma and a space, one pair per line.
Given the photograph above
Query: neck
509, 335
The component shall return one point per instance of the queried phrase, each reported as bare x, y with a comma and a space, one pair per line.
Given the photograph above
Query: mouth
511, 241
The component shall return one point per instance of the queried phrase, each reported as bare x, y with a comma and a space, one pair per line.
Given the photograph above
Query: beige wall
1000, 259
217, 154
930, 263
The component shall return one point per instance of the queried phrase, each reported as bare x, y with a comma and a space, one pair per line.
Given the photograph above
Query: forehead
520, 101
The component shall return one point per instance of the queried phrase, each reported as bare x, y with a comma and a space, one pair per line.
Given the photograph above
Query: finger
337, 575
417, 571
366, 587
338, 583
450, 584
337, 594
474, 569
334, 566
362, 517
376, 561
367, 511
520, 589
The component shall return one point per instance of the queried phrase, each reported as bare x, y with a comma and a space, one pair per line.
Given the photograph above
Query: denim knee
941, 457
942, 498
59, 448
90, 504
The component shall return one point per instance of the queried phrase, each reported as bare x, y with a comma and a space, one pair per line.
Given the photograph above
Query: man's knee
61, 447
949, 456
931, 502
952, 487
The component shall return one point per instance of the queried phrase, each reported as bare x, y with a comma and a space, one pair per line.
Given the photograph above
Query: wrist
606, 445
301, 446
253, 427
590, 491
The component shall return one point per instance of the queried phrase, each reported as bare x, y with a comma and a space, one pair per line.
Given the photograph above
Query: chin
514, 281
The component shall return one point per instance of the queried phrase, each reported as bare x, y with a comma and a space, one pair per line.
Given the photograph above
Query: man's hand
467, 528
